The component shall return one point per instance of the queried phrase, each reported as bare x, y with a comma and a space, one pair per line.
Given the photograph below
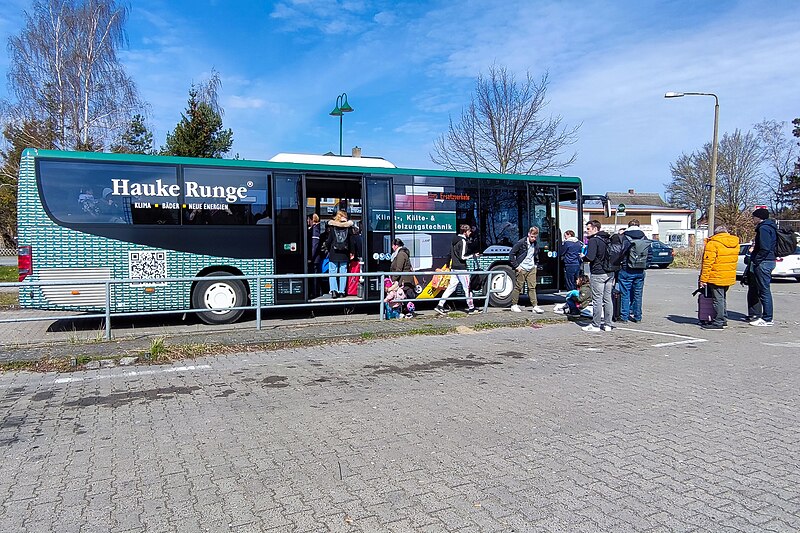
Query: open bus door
601, 199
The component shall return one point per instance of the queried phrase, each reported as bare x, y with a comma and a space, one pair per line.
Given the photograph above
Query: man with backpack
636, 250
762, 262
340, 248
600, 280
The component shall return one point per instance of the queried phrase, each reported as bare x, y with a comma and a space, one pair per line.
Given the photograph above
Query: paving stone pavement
523, 429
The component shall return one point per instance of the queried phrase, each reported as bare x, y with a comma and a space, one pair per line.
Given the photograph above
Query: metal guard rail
257, 305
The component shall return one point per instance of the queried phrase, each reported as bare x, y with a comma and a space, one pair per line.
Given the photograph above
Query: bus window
216, 196
86, 192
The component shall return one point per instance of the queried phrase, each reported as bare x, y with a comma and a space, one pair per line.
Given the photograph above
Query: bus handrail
256, 299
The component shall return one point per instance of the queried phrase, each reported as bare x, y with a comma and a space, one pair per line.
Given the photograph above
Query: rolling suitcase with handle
705, 306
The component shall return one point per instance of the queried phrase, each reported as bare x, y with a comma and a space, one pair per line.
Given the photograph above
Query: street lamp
713, 200
341, 108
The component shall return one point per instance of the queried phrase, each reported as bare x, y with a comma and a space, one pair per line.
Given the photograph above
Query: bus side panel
62, 254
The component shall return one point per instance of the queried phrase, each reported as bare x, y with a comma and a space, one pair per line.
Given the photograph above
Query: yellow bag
441, 281
438, 283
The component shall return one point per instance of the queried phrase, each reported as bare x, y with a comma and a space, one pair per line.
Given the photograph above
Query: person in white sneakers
523, 260
601, 279
458, 258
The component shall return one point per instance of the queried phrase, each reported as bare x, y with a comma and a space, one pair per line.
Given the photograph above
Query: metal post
713, 200
258, 303
108, 310
489, 284
340, 134
383, 295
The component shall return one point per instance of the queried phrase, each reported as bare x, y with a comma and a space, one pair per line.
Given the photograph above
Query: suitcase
616, 296
705, 308
353, 282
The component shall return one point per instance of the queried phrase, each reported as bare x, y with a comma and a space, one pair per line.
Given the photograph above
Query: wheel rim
219, 297
501, 285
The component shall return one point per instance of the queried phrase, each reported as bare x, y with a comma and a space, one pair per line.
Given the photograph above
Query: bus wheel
502, 286
219, 296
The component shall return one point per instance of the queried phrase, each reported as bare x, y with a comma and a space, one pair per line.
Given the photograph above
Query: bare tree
738, 178
503, 129
64, 70
691, 183
779, 154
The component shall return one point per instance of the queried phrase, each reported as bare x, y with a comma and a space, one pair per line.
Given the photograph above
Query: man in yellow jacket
718, 272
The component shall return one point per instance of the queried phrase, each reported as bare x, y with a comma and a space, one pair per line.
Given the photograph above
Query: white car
785, 267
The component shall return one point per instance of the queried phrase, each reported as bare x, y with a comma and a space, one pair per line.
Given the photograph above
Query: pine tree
136, 139
199, 132
28, 134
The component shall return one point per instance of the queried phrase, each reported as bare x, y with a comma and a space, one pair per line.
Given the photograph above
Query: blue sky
408, 65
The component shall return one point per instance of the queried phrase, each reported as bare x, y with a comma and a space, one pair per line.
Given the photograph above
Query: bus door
378, 229
324, 195
289, 238
543, 213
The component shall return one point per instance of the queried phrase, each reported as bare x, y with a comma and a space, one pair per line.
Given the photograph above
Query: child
577, 300
391, 304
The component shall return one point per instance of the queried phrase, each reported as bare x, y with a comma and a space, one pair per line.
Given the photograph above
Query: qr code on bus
147, 265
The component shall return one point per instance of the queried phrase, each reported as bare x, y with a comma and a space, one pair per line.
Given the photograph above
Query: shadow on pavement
678, 319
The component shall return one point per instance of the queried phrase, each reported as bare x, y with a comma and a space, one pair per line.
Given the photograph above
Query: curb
280, 336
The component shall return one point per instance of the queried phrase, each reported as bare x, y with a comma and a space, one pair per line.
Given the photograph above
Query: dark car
662, 255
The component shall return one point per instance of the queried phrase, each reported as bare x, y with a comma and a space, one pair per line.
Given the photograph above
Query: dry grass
686, 258
9, 300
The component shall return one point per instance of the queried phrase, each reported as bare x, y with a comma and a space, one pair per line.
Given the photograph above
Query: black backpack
785, 242
340, 236
612, 261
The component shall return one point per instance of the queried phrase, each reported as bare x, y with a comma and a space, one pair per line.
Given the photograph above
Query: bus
102, 216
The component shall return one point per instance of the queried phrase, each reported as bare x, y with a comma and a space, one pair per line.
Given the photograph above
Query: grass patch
9, 300
43, 365
160, 352
9, 274
483, 326
686, 258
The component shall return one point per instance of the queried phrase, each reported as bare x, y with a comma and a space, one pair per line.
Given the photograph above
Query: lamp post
713, 193
341, 108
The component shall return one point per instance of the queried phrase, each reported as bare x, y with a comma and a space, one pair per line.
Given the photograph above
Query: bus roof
344, 160
279, 165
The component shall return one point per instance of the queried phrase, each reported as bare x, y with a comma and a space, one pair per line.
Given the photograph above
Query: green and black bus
102, 216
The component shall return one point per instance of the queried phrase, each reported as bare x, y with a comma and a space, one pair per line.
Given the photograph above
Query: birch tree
64, 71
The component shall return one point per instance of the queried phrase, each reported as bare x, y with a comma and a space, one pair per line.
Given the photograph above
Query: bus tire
219, 296
504, 283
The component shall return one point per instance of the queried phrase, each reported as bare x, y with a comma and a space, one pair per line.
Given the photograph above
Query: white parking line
782, 344
131, 373
686, 338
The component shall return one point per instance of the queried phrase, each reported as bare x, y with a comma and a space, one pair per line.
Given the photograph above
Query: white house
657, 220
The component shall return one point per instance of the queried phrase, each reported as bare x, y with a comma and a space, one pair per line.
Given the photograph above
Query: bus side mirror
607, 207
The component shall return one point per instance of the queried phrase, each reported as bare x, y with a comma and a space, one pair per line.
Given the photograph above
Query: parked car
662, 255
785, 267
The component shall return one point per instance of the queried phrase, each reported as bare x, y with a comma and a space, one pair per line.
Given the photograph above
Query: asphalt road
656, 427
